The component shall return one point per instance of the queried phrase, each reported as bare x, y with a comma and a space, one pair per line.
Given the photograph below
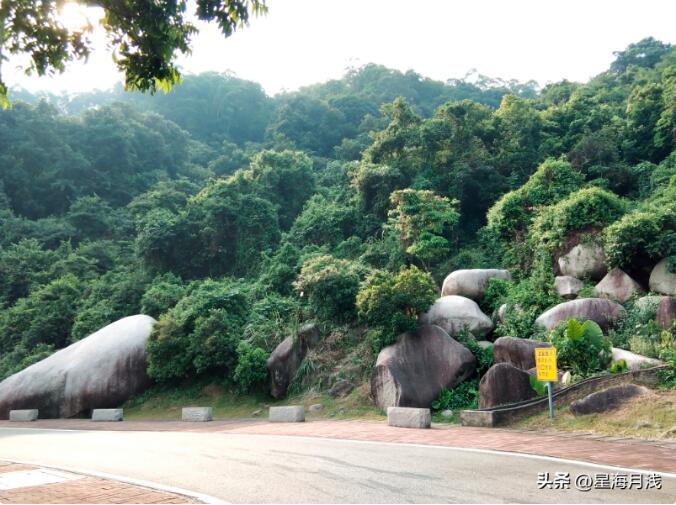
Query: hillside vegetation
233, 217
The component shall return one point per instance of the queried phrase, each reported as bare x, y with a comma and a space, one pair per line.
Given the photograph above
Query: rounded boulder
472, 283
603, 312
453, 313
412, 371
584, 260
662, 280
504, 383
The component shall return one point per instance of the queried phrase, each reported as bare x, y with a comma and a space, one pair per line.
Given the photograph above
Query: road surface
256, 468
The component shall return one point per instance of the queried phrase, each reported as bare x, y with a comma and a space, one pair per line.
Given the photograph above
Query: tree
424, 222
393, 303
145, 36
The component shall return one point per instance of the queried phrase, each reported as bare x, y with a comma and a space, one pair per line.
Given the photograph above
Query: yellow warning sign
545, 363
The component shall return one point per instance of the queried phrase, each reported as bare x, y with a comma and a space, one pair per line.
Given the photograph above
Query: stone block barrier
197, 414
289, 414
23, 415
107, 415
407, 417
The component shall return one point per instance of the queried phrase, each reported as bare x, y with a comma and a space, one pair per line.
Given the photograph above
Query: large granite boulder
453, 313
504, 383
283, 363
661, 280
634, 361
608, 399
618, 286
518, 352
472, 283
663, 308
584, 260
285, 360
102, 370
603, 312
568, 287
412, 371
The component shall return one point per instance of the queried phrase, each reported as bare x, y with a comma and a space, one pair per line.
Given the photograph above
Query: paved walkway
628, 453
73, 488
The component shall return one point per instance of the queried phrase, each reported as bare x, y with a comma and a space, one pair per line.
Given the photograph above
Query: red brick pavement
84, 490
629, 453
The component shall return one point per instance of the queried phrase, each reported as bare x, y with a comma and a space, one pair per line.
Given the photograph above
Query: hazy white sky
301, 42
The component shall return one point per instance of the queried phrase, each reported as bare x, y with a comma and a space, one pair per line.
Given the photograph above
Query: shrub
463, 396
250, 370
272, 319
645, 235
667, 377
393, 302
525, 300
580, 347
638, 331
423, 221
590, 208
112, 296
619, 366
201, 333
331, 286
483, 356
164, 293
324, 221
44, 317
510, 217
20, 357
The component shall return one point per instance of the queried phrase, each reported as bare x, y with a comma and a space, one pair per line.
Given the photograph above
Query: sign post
545, 365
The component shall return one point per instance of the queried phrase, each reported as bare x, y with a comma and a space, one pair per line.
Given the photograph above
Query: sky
301, 42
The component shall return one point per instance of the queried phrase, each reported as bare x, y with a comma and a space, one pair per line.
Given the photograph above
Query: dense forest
232, 217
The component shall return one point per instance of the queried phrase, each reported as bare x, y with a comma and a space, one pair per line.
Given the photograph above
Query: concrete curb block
406, 417
290, 414
23, 415
197, 414
107, 415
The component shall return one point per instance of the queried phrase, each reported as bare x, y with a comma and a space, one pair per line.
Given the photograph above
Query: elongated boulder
603, 312
634, 361
100, 371
618, 286
518, 352
504, 383
412, 371
472, 283
568, 287
584, 260
608, 399
283, 364
661, 280
285, 360
453, 313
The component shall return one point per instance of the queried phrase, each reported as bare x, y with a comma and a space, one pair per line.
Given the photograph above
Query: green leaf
539, 387
592, 331
574, 330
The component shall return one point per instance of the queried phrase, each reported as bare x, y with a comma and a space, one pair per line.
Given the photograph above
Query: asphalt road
251, 468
